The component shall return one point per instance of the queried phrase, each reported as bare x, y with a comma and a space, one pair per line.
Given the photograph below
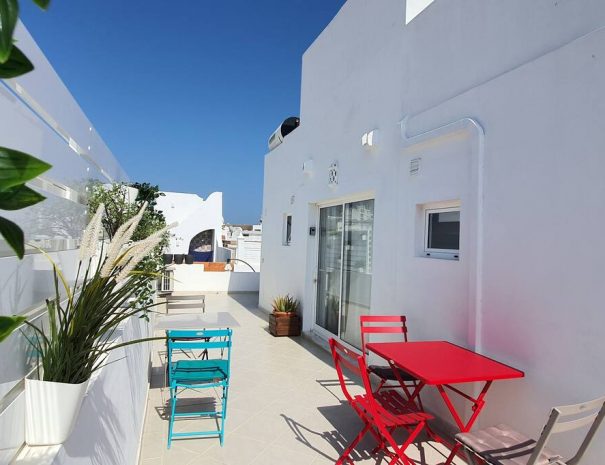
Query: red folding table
441, 364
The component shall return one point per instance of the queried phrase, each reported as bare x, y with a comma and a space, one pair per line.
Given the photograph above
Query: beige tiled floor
285, 405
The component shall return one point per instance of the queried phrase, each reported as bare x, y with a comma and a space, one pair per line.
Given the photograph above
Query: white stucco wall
249, 250
193, 215
193, 278
526, 289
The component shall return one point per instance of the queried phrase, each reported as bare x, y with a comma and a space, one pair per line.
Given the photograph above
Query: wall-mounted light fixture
370, 139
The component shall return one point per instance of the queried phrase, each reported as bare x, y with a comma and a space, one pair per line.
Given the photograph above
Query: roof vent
414, 166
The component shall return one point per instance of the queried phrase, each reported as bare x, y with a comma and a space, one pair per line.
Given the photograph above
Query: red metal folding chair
388, 324
381, 412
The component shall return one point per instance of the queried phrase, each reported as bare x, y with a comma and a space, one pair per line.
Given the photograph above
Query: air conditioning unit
289, 125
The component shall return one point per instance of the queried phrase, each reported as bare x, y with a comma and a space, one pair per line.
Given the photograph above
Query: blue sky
185, 93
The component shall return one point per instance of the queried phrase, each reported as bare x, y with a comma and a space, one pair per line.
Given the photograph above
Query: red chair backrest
381, 324
352, 361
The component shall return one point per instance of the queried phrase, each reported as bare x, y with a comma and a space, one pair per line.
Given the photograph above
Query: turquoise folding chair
196, 374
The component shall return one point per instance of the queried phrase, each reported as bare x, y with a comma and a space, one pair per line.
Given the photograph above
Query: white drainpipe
471, 126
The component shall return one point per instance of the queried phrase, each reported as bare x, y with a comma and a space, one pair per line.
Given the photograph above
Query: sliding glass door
329, 274
356, 268
344, 278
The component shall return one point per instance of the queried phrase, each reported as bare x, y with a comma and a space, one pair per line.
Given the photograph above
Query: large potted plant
81, 323
284, 321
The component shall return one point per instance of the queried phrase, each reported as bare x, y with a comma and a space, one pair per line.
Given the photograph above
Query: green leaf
19, 197
13, 235
17, 65
18, 167
9, 13
8, 324
42, 3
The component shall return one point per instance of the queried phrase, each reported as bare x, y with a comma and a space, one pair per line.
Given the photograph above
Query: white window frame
450, 254
285, 240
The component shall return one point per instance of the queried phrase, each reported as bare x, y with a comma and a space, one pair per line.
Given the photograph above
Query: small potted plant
285, 321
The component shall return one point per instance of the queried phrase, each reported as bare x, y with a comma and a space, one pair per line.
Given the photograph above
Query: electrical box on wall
307, 167
312, 231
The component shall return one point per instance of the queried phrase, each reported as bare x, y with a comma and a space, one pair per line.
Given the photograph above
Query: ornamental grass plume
139, 250
81, 328
120, 239
90, 237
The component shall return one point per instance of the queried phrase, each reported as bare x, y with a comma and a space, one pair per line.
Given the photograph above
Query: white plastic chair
501, 445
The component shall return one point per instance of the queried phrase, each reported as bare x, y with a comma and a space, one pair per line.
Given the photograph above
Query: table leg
415, 394
478, 405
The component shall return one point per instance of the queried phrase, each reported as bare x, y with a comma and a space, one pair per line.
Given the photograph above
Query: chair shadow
335, 384
342, 418
189, 405
334, 438
193, 406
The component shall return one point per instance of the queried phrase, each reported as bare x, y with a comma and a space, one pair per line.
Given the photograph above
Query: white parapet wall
193, 278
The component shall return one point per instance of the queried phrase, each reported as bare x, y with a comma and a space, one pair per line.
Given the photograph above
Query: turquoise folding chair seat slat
198, 374
199, 371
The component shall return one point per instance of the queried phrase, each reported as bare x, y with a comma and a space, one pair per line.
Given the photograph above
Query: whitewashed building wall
249, 250
193, 215
503, 104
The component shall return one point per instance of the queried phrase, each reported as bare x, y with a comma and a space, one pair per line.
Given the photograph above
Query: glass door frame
317, 329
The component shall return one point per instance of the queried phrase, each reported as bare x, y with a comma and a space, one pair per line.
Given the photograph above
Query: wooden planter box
285, 325
214, 266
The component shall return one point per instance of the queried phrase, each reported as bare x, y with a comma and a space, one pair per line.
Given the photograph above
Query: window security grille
166, 281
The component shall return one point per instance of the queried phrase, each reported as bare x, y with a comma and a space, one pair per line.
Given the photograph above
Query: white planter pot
51, 410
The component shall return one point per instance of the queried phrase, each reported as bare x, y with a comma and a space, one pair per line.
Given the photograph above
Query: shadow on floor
332, 385
189, 405
334, 438
347, 426
157, 378
249, 301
